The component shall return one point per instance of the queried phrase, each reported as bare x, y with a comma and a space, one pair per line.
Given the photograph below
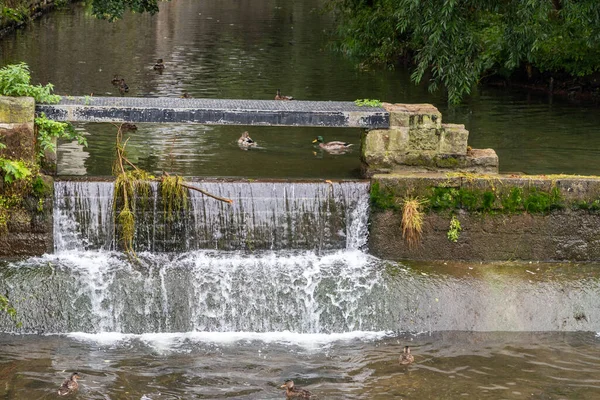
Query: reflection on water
233, 49
448, 365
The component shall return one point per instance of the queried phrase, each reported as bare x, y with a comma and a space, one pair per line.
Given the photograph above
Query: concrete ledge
216, 112
542, 218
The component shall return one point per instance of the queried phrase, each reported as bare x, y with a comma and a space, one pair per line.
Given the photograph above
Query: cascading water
285, 257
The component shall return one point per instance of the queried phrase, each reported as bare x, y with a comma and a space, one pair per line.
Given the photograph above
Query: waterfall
264, 215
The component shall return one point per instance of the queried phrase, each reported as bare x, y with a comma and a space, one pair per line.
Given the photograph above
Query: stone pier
25, 204
418, 141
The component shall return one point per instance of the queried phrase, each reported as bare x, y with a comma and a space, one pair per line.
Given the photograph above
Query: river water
235, 300
243, 49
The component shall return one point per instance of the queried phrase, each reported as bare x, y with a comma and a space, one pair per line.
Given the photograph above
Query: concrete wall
545, 218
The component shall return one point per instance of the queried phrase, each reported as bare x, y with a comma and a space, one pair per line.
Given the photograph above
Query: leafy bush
15, 81
48, 130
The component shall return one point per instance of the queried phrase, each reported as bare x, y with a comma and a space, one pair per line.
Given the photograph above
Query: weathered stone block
19, 140
484, 161
413, 115
424, 139
16, 110
453, 139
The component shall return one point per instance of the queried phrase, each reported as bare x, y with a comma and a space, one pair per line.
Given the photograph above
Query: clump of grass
412, 221
175, 196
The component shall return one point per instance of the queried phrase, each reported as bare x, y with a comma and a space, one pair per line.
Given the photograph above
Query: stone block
484, 161
423, 139
414, 115
19, 140
453, 139
16, 110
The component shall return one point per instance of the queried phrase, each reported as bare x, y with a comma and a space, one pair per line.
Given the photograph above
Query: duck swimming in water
292, 392
116, 80
70, 385
406, 358
123, 87
185, 95
246, 141
279, 96
335, 146
160, 65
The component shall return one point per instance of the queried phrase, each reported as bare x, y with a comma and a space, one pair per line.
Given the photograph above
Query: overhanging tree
458, 41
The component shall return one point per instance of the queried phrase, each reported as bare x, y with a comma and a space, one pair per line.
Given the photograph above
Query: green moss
488, 200
512, 202
538, 201
382, 198
40, 188
447, 162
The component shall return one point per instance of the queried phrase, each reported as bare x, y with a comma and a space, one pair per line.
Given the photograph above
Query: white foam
168, 341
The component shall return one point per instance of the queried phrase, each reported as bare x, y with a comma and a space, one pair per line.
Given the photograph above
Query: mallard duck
279, 96
70, 385
116, 80
123, 87
159, 66
185, 95
293, 392
246, 141
406, 358
331, 145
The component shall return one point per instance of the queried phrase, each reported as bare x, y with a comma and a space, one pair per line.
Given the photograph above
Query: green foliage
7, 307
454, 231
368, 103
512, 202
48, 130
16, 14
15, 81
538, 201
114, 9
454, 43
14, 170
382, 198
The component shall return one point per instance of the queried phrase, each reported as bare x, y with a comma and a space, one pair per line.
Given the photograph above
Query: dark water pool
243, 49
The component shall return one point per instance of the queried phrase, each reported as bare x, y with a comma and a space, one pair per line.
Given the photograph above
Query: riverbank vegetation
454, 45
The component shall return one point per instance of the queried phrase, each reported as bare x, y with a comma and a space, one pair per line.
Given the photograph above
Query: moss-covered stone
16, 110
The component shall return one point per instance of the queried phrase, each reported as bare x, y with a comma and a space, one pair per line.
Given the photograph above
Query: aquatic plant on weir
412, 220
454, 230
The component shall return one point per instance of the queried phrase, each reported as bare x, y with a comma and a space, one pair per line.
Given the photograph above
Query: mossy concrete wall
26, 205
541, 218
418, 141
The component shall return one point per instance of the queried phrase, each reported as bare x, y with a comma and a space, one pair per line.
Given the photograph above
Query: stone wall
418, 141
545, 218
25, 205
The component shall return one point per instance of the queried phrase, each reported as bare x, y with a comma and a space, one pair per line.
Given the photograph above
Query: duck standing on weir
279, 96
331, 146
293, 392
70, 385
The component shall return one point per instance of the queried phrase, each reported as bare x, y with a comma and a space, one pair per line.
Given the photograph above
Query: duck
292, 391
70, 385
406, 358
123, 87
246, 141
115, 80
185, 95
128, 126
160, 65
279, 96
335, 146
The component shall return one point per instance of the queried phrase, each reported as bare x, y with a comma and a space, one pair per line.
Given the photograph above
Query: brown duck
406, 358
293, 392
279, 96
70, 385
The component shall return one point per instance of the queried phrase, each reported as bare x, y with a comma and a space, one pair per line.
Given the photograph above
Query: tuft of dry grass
412, 221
